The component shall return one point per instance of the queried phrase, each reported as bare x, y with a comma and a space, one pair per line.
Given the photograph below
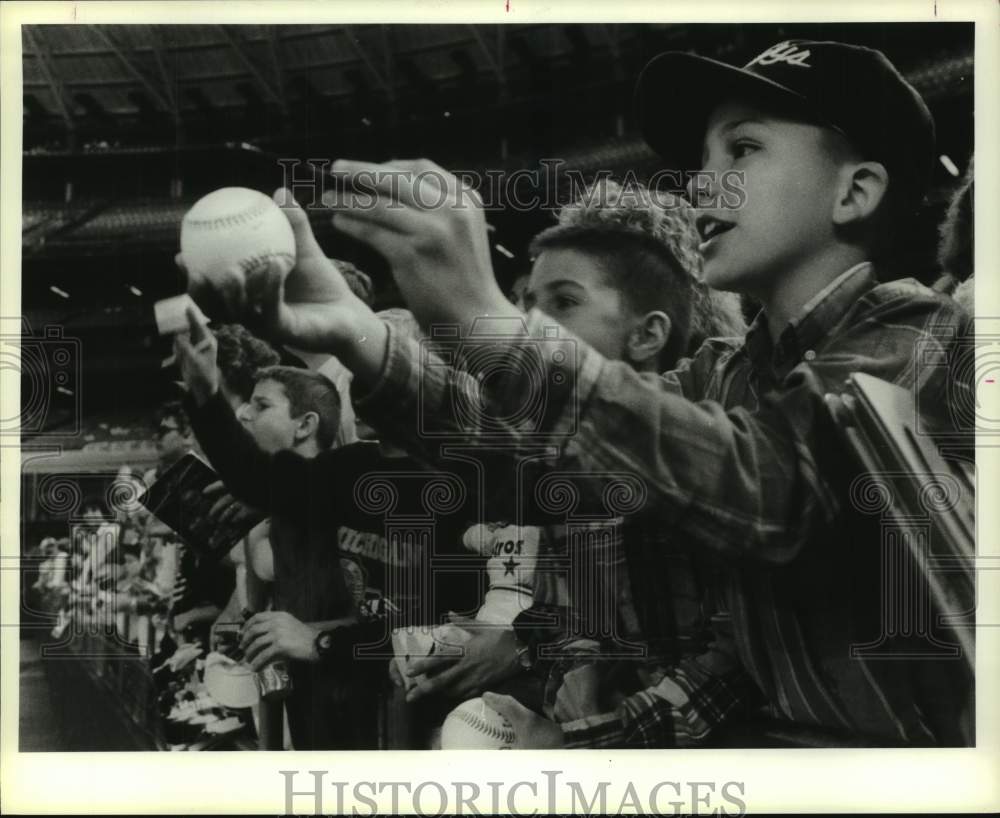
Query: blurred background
126, 126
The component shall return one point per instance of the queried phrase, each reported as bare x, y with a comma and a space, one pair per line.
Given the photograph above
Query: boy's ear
863, 187
307, 426
648, 337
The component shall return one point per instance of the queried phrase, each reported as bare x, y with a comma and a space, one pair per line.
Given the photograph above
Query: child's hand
313, 307
196, 357
226, 510
277, 635
431, 229
533, 732
490, 656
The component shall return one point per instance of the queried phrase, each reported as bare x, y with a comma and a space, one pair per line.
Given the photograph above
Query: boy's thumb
305, 241
507, 706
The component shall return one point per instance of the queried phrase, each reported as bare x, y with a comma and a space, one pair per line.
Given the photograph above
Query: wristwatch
324, 644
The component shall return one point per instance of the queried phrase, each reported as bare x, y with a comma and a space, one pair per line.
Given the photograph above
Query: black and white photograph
454, 386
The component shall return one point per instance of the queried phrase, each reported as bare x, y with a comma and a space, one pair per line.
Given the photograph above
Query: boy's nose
703, 188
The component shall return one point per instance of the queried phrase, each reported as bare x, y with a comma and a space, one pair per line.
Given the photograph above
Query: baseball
474, 726
231, 234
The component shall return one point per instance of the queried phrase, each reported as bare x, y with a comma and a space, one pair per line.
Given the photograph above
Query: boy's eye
564, 302
743, 147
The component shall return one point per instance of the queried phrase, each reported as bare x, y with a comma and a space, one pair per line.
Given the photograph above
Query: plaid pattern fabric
733, 450
681, 711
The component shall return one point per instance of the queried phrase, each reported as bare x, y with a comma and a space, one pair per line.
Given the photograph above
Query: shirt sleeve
744, 482
284, 483
684, 709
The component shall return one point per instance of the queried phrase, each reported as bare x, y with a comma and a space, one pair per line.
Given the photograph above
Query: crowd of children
653, 553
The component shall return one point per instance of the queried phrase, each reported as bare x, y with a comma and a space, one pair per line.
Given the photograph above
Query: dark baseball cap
852, 89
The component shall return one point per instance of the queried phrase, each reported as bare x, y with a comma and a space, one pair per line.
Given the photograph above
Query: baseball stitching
232, 219
502, 733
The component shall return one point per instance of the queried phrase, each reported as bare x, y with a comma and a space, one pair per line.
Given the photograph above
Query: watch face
324, 641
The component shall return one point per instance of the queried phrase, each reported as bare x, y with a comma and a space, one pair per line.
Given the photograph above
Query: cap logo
783, 52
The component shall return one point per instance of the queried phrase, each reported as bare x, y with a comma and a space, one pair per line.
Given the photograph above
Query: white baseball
474, 726
232, 233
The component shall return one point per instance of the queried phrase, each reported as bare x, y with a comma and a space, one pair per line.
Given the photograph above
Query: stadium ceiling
106, 78
117, 71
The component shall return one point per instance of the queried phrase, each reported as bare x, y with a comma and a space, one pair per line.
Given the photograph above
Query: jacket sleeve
746, 483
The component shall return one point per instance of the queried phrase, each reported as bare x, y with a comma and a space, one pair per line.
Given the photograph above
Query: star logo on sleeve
509, 566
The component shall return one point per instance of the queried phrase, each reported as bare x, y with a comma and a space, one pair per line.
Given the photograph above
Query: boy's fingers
197, 327
268, 297
220, 505
432, 664
402, 222
182, 347
413, 182
257, 644
214, 488
305, 241
429, 685
264, 658
507, 706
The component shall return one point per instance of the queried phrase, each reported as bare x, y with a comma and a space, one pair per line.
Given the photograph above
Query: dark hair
308, 391
240, 355
359, 282
173, 409
648, 251
95, 502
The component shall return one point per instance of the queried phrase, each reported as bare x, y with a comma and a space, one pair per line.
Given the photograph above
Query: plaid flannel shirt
732, 452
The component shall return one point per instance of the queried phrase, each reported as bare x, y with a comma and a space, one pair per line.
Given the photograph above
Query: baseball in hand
229, 236
474, 726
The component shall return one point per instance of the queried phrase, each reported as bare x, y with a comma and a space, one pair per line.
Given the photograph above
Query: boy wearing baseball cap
832, 148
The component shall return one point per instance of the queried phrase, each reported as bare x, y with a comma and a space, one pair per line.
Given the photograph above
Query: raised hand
313, 308
196, 354
431, 229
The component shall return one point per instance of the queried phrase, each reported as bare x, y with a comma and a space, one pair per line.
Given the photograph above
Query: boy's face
572, 288
268, 417
171, 442
789, 192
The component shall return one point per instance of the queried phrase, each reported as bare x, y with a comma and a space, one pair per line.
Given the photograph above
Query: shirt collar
819, 315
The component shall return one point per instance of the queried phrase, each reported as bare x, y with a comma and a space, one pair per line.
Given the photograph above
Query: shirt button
810, 355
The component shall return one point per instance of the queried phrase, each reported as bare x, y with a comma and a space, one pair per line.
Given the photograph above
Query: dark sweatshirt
351, 535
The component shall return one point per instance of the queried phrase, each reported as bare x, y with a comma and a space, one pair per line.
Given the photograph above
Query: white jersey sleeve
511, 557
